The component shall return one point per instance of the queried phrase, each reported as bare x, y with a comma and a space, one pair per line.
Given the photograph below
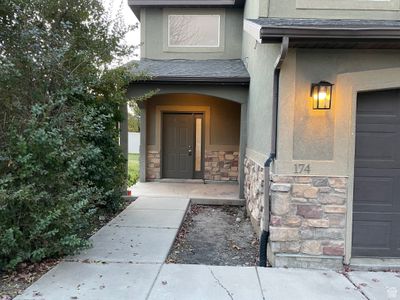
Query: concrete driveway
127, 262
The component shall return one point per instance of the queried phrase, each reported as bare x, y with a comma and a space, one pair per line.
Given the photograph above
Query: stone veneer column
308, 219
153, 165
254, 191
221, 165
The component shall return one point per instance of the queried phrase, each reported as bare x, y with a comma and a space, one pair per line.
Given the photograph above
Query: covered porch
194, 127
198, 193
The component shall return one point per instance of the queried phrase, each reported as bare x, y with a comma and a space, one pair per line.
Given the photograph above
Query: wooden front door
178, 145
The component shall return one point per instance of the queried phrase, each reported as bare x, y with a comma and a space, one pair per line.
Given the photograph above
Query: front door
376, 208
178, 145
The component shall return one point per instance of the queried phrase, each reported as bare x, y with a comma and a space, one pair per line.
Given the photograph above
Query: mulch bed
15, 282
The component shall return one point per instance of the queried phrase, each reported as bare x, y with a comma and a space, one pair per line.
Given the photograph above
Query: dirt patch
215, 235
15, 282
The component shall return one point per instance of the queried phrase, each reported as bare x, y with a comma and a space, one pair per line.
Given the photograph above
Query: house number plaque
302, 168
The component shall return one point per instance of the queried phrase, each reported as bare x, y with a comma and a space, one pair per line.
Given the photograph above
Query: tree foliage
60, 163
133, 123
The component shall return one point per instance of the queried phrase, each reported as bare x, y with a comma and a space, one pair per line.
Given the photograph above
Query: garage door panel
378, 149
379, 233
378, 107
376, 199
374, 193
375, 235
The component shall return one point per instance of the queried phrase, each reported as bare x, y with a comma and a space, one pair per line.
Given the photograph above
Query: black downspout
272, 156
265, 233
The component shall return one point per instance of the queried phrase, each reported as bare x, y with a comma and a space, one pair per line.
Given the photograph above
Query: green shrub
133, 168
61, 171
61, 164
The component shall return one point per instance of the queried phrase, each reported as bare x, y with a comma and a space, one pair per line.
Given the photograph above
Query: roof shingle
182, 70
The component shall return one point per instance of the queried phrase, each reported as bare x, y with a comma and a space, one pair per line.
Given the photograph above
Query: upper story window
191, 30
349, 4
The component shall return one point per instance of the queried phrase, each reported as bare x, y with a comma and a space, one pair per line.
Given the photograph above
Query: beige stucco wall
153, 32
322, 140
222, 119
375, 73
259, 60
254, 9
332, 9
325, 140
311, 136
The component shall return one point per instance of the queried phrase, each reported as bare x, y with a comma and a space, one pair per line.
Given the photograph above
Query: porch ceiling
215, 71
327, 33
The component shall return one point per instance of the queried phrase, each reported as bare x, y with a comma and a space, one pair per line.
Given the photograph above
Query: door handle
190, 151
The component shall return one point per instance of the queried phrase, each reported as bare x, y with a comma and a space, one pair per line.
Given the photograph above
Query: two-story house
298, 101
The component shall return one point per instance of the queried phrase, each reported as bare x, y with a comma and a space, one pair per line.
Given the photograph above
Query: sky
129, 18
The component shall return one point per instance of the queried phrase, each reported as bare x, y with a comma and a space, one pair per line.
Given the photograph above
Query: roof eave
137, 5
135, 10
188, 3
268, 34
198, 80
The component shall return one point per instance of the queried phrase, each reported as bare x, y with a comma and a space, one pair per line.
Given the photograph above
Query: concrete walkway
200, 193
127, 262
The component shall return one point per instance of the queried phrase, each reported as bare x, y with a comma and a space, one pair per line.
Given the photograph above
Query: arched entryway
223, 110
192, 136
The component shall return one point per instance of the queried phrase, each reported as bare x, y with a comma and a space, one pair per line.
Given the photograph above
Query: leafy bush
61, 165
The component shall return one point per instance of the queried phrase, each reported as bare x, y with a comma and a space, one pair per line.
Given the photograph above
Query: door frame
375, 100
200, 174
348, 85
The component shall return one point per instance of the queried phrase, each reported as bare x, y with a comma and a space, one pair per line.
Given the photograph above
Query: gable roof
216, 71
350, 33
135, 5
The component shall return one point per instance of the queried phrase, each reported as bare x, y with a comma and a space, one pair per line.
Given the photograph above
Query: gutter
198, 80
273, 154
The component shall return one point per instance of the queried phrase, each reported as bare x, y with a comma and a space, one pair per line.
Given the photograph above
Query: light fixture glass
322, 95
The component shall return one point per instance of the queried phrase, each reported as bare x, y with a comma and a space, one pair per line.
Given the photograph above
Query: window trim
197, 12
194, 46
390, 5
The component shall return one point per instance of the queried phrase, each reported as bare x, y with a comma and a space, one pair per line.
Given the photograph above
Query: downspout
272, 156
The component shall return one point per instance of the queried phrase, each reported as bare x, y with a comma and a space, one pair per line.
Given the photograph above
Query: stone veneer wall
221, 165
308, 218
254, 191
218, 166
153, 167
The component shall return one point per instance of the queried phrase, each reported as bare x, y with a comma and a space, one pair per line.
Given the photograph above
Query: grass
133, 168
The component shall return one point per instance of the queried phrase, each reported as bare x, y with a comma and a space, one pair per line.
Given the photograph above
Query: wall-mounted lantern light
322, 95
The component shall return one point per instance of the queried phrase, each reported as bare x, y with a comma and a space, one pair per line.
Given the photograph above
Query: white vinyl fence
133, 142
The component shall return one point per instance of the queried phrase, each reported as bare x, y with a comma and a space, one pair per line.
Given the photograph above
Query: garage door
376, 210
